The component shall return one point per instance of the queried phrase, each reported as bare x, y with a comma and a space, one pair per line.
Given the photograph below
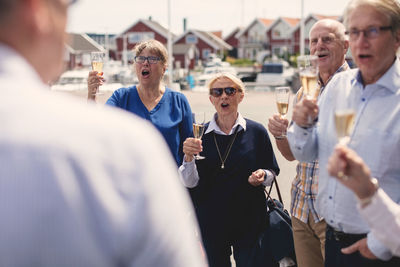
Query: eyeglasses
150, 59
217, 92
324, 39
370, 33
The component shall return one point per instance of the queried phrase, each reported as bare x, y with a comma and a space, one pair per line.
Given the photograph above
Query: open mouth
224, 105
322, 55
364, 56
145, 73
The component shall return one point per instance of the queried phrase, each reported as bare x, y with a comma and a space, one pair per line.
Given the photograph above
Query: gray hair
239, 84
154, 46
388, 8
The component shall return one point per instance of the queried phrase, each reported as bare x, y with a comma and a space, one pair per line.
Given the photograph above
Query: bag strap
268, 192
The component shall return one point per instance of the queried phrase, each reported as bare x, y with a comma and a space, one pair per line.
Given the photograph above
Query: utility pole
302, 29
170, 53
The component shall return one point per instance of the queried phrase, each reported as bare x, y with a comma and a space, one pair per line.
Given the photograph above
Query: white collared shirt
188, 170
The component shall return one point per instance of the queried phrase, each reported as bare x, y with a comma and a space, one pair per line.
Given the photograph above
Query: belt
342, 237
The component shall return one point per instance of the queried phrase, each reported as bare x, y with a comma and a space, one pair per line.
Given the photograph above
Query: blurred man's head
36, 29
328, 42
373, 27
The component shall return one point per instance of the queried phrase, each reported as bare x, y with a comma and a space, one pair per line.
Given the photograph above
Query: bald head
328, 41
335, 27
36, 30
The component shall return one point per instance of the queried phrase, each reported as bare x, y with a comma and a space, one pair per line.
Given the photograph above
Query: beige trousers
309, 242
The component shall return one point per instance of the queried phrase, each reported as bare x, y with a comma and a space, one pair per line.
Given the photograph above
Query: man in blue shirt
373, 92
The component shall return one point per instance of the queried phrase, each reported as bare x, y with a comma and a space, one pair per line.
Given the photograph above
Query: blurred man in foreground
79, 185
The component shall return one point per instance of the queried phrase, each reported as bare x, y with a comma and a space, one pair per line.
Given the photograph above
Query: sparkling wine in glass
97, 59
282, 95
198, 129
344, 122
308, 70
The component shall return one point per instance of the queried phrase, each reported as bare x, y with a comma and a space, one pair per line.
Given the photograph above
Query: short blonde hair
388, 8
238, 83
155, 47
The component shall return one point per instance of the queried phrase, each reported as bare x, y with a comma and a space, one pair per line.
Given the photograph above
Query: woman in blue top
168, 110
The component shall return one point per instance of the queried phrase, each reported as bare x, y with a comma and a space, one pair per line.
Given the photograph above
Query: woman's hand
191, 146
94, 81
257, 177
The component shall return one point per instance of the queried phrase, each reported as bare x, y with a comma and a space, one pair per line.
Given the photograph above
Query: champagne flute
344, 122
308, 70
282, 95
97, 59
198, 129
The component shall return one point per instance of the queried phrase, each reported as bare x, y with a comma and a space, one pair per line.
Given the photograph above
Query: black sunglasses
217, 92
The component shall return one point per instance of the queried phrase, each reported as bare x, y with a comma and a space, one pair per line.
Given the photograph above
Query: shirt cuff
268, 178
189, 175
377, 248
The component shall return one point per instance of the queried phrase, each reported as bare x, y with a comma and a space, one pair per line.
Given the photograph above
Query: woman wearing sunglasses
169, 111
227, 186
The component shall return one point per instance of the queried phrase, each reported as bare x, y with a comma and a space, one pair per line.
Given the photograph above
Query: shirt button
297, 147
330, 197
363, 99
331, 221
310, 178
304, 134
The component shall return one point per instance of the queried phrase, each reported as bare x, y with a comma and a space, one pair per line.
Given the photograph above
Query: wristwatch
365, 201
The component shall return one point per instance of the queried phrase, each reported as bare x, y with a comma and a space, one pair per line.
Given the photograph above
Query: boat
209, 71
116, 76
274, 73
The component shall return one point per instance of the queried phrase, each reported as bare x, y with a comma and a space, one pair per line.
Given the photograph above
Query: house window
205, 53
136, 37
191, 39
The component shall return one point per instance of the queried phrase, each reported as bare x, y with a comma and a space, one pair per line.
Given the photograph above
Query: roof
266, 23
233, 33
157, 27
291, 21
208, 37
317, 17
81, 42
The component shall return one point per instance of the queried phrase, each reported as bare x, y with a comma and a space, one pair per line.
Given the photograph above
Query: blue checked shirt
305, 184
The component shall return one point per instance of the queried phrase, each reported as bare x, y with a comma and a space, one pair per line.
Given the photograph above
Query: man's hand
277, 125
360, 245
305, 112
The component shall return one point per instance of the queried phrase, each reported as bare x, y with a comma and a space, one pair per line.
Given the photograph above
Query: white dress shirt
383, 218
375, 137
188, 170
78, 186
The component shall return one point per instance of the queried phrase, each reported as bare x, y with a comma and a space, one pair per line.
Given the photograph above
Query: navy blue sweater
227, 206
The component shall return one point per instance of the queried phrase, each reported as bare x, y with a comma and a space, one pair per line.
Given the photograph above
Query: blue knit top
172, 116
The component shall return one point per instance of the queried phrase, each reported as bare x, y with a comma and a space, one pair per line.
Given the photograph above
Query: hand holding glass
282, 101
97, 59
308, 70
198, 129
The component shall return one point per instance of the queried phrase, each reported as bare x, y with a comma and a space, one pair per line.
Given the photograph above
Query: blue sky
114, 16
